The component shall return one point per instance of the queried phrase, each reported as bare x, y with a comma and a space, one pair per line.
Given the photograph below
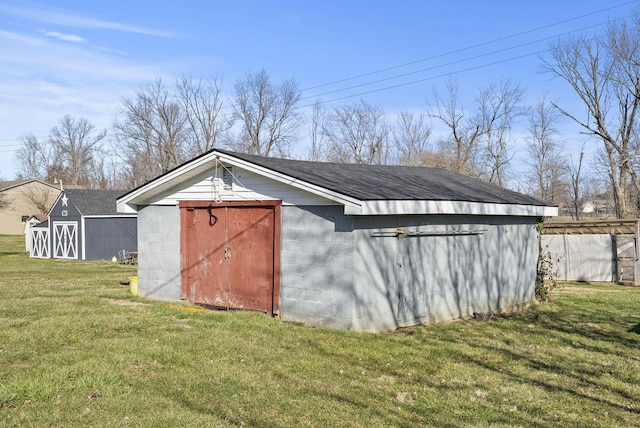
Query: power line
453, 62
413, 82
472, 46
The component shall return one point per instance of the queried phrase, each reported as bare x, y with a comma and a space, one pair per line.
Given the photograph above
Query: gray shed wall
317, 251
335, 273
104, 237
159, 252
447, 267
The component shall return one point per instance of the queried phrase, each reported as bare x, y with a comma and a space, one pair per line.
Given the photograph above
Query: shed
30, 222
362, 247
85, 225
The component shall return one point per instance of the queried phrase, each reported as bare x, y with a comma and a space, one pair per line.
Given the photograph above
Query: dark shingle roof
387, 182
95, 202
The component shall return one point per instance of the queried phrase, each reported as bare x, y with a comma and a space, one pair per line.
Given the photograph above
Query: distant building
597, 206
26, 199
84, 225
32, 221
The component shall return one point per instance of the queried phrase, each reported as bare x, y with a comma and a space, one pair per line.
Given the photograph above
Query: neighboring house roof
363, 189
16, 183
94, 202
24, 198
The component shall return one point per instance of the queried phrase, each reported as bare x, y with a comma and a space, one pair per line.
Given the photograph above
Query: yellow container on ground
133, 285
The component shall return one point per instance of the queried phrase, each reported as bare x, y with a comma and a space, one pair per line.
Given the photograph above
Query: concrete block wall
159, 252
402, 281
317, 251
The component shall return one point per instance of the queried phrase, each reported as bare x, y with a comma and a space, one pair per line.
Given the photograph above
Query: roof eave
129, 202
406, 207
19, 183
332, 195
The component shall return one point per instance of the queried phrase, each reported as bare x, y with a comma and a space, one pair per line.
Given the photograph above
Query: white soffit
450, 207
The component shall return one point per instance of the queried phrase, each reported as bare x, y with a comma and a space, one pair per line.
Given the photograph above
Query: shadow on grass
581, 330
11, 253
635, 329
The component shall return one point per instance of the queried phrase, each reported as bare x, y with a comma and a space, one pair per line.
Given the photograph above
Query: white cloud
39, 14
56, 71
65, 37
20, 38
43, 79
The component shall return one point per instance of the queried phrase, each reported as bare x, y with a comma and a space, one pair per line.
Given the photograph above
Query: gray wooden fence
598, 251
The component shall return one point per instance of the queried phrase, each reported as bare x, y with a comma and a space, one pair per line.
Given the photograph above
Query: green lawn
76, 349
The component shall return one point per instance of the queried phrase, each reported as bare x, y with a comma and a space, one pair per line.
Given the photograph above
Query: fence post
636, 263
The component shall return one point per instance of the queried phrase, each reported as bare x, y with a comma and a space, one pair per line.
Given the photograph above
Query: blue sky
81, 58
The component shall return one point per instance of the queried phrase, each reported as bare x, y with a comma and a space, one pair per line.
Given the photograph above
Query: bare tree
152, 133
35, 159
547, 164
357, 133
69, 154
318, 119
576, 192
4, 201
605, 74
460, 148
76, 142
499, 107
477, 141
42, 199
202, 105
411, 139
267, 115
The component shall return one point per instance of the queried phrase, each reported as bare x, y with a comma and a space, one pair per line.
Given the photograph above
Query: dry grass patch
121, 302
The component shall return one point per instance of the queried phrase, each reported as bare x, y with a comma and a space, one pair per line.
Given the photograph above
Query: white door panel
65, 240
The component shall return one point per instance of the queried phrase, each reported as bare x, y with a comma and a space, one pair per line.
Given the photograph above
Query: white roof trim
294, 182
55, 203
128, 203
120, 215
450, 207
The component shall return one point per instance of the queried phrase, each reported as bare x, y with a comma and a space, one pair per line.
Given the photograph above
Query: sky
83, 58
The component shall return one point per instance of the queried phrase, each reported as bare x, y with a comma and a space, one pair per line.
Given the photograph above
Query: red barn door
230, 254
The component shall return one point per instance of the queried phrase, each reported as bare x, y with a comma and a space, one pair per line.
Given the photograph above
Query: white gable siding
247, 186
